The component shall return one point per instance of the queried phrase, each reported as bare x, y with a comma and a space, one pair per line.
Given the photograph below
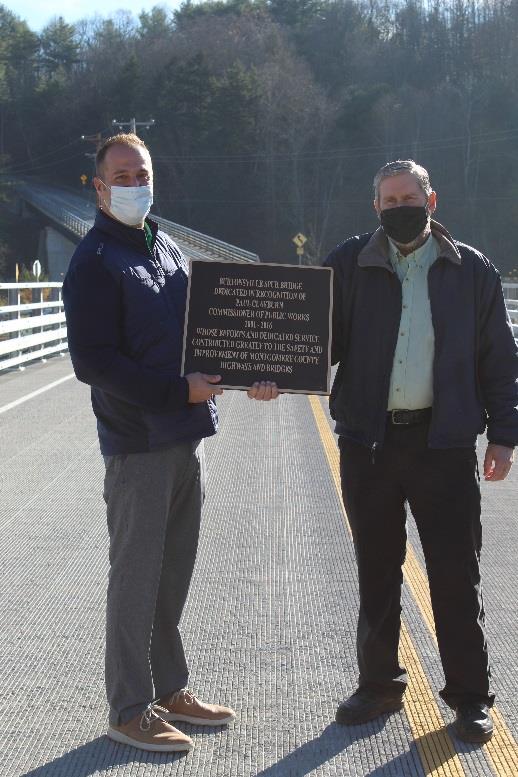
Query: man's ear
98, 184
432, 202
376, 207
100, 189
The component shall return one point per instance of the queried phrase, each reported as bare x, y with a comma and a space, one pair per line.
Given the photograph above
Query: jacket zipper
435, 349
376, 444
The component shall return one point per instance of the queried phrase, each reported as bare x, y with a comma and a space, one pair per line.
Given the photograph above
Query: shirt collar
376, 252
132, 236
419, 256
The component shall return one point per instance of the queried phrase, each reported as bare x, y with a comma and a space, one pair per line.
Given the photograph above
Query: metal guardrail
212, 245
31, 330
56, 213
194, 244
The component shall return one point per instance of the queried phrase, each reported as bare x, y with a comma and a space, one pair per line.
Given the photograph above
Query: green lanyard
149, 237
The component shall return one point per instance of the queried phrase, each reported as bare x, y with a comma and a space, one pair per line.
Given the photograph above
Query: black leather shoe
473, 723
366, 705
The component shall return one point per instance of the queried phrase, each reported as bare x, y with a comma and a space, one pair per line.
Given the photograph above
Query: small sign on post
299, 241
84, 179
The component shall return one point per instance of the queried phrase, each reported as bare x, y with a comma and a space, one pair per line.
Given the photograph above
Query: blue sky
37, 13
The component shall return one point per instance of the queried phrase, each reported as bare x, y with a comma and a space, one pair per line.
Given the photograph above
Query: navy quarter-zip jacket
125, 308
475, 370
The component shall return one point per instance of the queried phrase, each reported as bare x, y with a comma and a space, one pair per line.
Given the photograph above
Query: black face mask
405, 223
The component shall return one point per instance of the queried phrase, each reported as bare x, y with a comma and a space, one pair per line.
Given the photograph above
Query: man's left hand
497, 462
264, 390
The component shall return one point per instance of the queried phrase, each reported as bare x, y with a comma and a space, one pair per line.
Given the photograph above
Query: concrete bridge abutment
54, 252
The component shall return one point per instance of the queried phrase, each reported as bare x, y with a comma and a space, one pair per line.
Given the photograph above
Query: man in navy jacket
125, 296
426, 362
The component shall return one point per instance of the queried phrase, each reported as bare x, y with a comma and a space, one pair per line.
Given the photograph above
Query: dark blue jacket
125, 310
475, 370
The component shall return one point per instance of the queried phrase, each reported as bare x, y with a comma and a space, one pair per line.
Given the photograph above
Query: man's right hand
201, 387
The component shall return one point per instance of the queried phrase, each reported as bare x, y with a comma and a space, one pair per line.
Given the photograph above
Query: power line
21, 171
42, 156
353, 152
337, 153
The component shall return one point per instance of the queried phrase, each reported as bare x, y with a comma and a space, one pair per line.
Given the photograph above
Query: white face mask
131, 204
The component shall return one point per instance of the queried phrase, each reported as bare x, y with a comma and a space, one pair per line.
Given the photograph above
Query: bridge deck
270, 622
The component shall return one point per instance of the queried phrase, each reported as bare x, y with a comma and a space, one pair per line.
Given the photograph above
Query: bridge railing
55, 212
218, 248
32, 323
195, 244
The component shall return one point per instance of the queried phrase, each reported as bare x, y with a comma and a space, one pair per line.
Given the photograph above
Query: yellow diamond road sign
300, 239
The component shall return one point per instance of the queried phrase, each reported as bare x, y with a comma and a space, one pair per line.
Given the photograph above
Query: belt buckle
393, 419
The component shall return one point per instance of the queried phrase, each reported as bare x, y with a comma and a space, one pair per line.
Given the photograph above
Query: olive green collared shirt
411, 381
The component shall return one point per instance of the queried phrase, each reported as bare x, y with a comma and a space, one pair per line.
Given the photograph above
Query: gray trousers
153, 507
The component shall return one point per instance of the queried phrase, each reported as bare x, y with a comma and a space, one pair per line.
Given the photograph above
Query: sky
37, 13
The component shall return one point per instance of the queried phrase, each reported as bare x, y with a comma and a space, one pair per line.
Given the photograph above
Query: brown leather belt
409, 417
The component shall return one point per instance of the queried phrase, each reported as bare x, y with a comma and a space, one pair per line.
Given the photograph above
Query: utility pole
97, 139
133, 124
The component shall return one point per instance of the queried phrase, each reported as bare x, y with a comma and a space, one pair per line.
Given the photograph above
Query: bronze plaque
249, 322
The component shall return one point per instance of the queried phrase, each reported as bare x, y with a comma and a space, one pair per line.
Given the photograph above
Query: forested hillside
271, 117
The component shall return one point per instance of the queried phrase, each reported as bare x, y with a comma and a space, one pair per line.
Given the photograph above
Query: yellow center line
502, 749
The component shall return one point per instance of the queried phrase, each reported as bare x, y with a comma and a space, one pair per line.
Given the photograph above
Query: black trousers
442, 489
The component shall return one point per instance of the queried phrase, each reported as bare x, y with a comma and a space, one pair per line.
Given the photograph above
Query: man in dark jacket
426, 361
125, 296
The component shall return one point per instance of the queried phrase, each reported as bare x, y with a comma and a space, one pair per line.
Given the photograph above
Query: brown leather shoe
149, 731
185, 706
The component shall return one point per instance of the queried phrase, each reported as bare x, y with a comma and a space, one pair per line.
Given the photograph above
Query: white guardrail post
31, 330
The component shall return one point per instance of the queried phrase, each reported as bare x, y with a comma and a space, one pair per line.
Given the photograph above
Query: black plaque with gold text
252, 322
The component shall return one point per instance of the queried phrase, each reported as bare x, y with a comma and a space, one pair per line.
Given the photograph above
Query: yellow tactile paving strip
501, 750
436, 749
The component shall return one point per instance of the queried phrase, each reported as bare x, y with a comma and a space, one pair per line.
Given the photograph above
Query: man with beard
426, 362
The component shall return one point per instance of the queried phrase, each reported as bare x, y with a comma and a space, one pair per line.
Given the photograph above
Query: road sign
300, 250
84, 179
299, 240
36, 269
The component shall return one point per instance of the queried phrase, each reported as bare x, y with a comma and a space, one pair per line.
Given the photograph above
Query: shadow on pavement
99, 754
102, 753
335, 739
